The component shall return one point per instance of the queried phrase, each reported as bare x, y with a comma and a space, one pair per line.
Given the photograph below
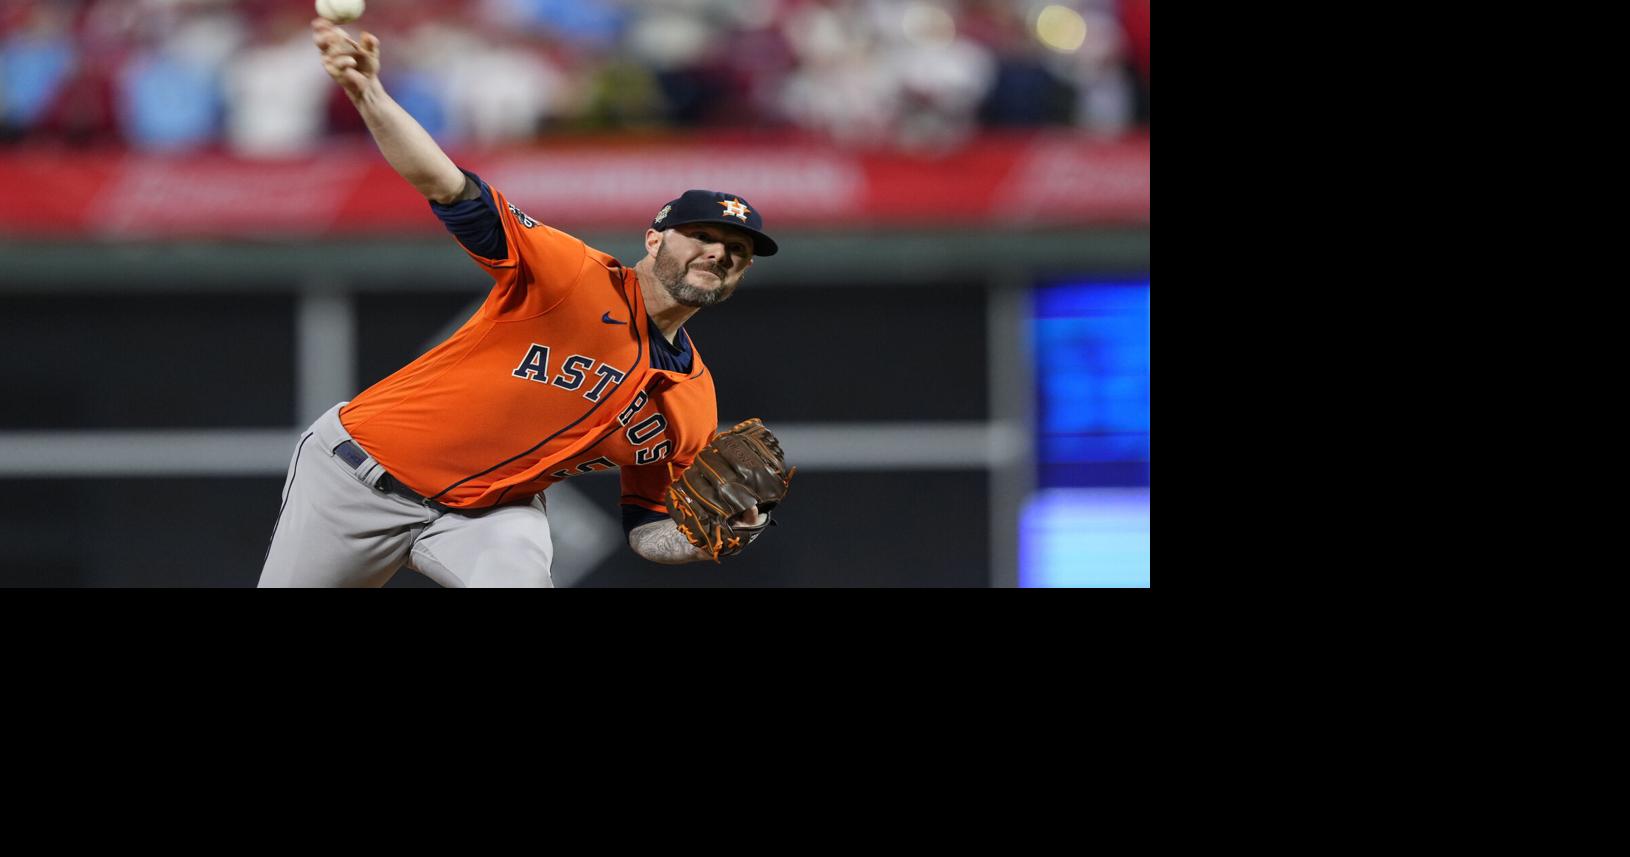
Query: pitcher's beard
672, 277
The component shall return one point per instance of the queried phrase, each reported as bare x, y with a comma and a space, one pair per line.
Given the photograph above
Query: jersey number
535, 368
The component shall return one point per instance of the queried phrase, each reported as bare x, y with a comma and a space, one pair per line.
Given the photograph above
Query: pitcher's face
701, 264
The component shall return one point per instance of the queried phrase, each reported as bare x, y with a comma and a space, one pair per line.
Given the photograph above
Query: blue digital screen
1087, 525
1092, 383
1085, 537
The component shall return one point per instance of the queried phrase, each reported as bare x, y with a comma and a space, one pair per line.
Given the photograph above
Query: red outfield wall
1044, 180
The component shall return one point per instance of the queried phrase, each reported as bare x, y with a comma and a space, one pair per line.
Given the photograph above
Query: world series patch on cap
711, 206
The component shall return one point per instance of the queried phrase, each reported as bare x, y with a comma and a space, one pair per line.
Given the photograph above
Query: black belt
353, 455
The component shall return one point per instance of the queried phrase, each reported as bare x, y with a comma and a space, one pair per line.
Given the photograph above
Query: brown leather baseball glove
739, 470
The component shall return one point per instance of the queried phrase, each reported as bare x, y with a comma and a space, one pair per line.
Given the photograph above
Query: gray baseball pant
336, 528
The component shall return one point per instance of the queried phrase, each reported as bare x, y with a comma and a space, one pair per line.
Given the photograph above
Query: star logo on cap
734, 208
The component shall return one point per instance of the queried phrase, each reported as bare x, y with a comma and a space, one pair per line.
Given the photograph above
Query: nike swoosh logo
609, 320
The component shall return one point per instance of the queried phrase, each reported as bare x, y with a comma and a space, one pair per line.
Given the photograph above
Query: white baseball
340, 11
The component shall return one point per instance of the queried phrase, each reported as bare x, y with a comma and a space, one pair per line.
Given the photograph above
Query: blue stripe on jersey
674, 358
474, 222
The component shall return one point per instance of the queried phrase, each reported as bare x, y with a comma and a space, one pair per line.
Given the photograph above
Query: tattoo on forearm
660, 541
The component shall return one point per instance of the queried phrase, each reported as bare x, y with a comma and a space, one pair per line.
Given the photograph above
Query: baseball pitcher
573, 364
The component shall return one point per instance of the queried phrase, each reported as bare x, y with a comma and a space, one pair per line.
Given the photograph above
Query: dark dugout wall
154, 393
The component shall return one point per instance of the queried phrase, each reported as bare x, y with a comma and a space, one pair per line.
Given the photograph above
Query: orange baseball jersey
551, 378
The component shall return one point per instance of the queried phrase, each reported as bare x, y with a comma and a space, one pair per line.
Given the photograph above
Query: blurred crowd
242, 76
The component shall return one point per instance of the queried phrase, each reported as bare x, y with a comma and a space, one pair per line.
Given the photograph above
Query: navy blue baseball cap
711, 206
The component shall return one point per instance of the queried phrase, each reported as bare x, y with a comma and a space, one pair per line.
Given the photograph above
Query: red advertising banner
1052, 179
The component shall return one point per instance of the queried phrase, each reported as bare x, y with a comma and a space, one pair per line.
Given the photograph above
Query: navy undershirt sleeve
474, 222
636, 516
